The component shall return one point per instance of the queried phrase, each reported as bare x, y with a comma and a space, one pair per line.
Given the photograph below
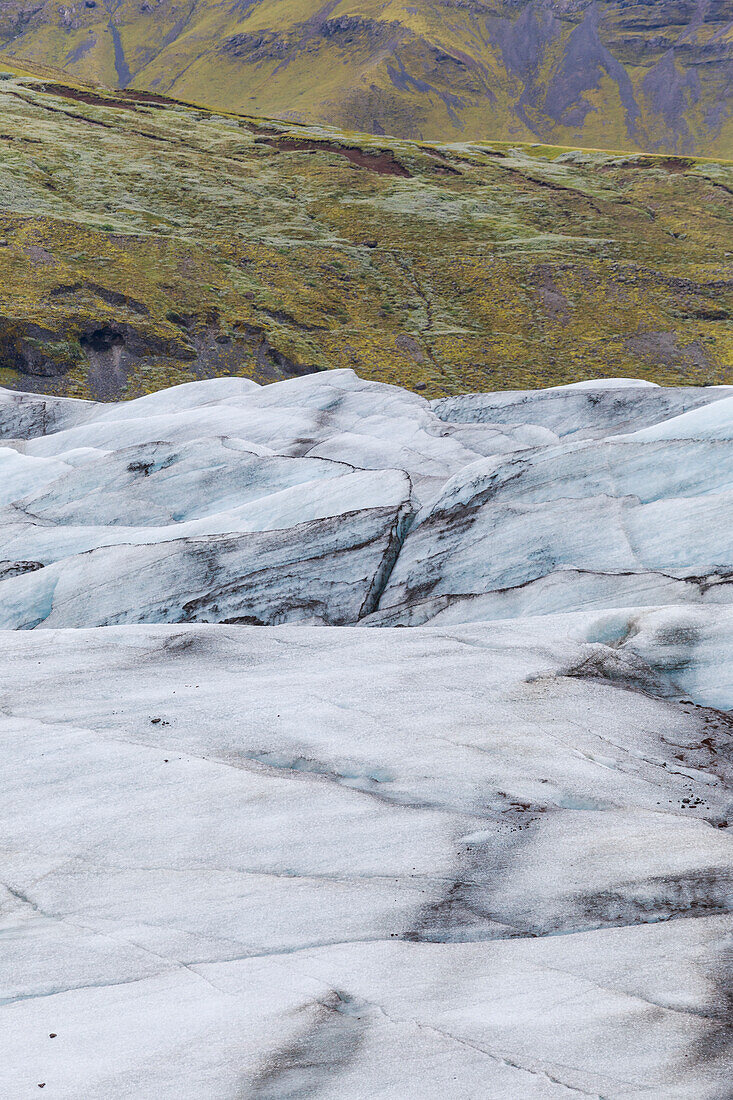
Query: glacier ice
257, 842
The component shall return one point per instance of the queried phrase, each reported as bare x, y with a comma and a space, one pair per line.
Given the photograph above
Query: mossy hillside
651, 75
191, 243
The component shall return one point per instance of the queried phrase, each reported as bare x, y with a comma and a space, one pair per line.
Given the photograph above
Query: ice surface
583, 409
339, 862
576, 525
485, 857
511, 503
714, 421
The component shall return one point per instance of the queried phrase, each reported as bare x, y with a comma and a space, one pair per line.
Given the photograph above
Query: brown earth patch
669, 163
83, 95
152, 99
384, 163
665, 348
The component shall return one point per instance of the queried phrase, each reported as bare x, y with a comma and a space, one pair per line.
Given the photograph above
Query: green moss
349, 81
532, 268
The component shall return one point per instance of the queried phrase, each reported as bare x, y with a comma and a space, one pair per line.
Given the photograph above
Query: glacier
260, 842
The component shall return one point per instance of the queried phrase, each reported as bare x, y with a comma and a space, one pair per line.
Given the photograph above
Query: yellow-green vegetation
652, 75
146, 243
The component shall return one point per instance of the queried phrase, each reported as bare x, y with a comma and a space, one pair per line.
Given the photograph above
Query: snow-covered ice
486, 856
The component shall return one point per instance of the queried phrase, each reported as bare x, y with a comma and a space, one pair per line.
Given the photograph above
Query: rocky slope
145, 243
488, 855
596, 73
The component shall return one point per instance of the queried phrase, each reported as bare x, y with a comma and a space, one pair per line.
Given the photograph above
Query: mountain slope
144, 242
655, 76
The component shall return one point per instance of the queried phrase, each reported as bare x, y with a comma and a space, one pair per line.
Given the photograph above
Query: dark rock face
662, 38
110, 352
523, 41
585, 61
671, 92
264, 46
34, 350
